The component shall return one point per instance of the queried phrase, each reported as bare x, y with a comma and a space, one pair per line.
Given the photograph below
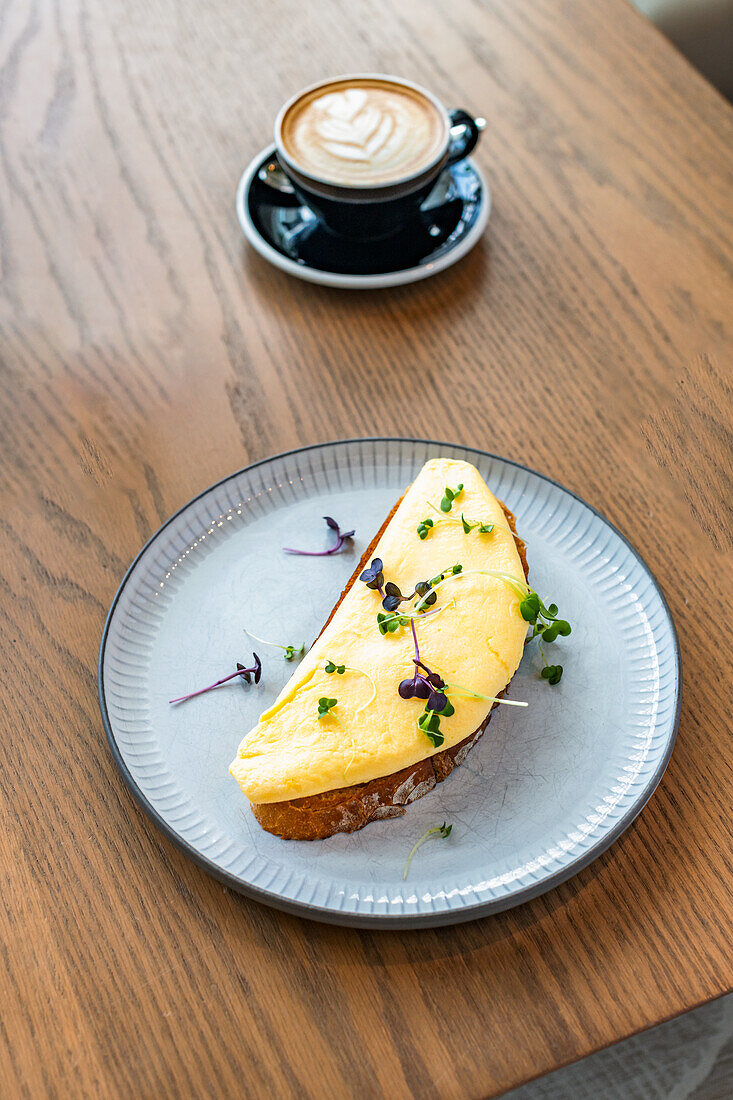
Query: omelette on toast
396, 690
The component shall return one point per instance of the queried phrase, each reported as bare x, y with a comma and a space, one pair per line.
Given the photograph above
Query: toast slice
347, 809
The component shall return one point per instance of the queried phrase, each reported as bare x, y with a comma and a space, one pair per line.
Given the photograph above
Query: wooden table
146, 352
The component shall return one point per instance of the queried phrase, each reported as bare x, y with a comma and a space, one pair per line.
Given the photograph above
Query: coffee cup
364, 151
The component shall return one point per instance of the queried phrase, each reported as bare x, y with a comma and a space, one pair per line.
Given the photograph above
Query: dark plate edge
380, 920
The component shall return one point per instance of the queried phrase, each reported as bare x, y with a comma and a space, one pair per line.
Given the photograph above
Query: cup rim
356, 187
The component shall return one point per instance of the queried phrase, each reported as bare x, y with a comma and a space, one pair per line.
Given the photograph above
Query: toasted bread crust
347, 809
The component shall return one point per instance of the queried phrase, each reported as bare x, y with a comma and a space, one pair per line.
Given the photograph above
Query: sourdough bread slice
347, 809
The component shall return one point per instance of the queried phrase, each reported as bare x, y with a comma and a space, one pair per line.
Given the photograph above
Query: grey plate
546, 790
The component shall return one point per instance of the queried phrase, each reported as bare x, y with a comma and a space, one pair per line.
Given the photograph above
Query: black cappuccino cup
364, 151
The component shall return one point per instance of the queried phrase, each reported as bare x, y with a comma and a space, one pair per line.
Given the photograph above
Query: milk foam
363, 132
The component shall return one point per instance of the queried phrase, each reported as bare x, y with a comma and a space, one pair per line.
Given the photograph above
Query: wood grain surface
146, 352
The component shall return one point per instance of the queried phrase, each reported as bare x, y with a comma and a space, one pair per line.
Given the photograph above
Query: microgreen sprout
325, 706
242, 672
429, 723
543, 619
389, 623
489, 698
426, 525
289, 651
454, 569
332, 667
342, 537
551, 673
471, 525
547, 626
428, 685
449, 495
373, 575
521, 588
441, 832
392, 598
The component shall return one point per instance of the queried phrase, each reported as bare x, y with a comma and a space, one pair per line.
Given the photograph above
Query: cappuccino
363, 132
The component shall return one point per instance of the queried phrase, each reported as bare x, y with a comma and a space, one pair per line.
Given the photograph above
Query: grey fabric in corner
702, 30
688, 1058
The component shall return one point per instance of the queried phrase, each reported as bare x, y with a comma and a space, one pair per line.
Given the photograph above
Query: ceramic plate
545, 791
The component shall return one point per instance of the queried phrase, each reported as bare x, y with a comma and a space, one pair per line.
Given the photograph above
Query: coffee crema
363, 132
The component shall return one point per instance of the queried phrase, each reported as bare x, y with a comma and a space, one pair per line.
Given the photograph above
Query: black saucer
290, 235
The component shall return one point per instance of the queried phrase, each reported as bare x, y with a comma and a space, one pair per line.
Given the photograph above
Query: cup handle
273, 175
465, 130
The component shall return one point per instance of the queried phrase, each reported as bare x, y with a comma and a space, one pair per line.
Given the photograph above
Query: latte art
363, 132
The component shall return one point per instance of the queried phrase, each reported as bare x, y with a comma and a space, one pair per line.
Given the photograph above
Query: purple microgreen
342, 537
244, 673
422, 588
289, 651
393, 597
431, 677
436, 701
373, 576
437, 832
406, 689
414, 641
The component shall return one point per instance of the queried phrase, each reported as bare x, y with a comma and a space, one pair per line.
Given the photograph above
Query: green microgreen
389, 623
289, 651
547, 626
543, 619
489, 698
429, 724
470, 525
437, 832
454, 569
426, 526
449, 495
332, 667
404, 618
551, 673
325, 706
